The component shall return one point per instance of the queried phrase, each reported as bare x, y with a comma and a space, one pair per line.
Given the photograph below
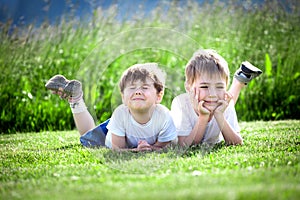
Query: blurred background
94, 41
37, 11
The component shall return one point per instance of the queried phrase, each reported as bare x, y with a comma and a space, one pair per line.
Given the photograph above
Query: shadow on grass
48, 149
203, 149
66, 147
137, 162
149, 162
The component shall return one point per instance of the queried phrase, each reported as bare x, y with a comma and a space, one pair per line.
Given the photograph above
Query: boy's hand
223, 104
144, 146
194, 95
198, 105
202, 109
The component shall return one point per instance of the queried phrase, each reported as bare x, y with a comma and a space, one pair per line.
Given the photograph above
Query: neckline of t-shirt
146, 124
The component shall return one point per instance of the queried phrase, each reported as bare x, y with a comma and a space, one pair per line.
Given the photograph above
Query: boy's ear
159, 97
187, 87
122, 95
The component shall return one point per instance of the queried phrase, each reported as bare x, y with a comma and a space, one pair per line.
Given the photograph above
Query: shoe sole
247, 72
248, 68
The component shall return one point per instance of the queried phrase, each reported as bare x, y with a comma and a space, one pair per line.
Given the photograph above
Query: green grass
53, 165
96, 53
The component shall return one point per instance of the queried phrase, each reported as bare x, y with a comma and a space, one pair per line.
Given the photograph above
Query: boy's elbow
242, 141
115, 148
182, 141
238, 141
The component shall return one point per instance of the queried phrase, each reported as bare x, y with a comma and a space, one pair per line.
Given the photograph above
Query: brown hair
206, 61
141, 72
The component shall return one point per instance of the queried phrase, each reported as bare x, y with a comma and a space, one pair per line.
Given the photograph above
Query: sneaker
247, 72
56, 83
73, 90
67, 89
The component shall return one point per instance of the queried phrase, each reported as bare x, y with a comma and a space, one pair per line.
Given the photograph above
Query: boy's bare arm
230, 136
198, 130
118, 142
145, 146
159, 145
196, 134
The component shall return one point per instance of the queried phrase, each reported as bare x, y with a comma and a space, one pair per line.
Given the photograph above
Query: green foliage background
93, 52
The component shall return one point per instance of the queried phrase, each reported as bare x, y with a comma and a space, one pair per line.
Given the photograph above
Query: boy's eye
220, 87
203, 86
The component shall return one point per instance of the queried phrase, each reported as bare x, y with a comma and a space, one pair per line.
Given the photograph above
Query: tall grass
96, 51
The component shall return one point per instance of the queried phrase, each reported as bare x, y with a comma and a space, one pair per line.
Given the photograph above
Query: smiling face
212, 88
141, 96
207, 73
141, 87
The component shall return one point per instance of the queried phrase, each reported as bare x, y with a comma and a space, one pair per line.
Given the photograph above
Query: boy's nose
212, 92
138, 91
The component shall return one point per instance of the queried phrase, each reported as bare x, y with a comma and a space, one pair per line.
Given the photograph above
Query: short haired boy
141, 123
206, 113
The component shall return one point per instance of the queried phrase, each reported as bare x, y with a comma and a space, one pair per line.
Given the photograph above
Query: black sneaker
247, 72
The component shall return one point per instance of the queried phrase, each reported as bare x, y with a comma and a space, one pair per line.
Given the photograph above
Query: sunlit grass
96, 52
53, 165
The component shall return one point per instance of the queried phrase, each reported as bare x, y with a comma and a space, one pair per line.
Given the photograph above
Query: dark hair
206, 62
142, 72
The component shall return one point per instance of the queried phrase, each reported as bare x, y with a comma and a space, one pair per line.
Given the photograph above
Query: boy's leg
96, 136
72, 91
235, 89
242, 77
83, 121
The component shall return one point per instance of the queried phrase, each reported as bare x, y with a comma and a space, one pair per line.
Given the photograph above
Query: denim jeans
95, 137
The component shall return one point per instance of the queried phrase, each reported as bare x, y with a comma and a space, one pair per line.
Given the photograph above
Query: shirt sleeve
168, 133
179, 113
116, 123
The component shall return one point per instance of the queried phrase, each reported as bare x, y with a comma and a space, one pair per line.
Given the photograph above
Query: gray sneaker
73, 89
247, 72
69, 89
56, 83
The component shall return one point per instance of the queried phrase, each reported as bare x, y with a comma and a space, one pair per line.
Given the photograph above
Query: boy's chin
211, 108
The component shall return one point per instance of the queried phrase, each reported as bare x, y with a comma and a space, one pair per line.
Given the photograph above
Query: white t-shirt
185, 119
160, 128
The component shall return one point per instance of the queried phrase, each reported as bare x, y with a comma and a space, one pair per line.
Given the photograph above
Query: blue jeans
95, 137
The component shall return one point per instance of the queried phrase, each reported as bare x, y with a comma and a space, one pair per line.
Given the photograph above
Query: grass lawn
53, 165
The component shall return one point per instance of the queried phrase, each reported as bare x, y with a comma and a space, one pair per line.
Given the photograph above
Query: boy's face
211, 89
141, 96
